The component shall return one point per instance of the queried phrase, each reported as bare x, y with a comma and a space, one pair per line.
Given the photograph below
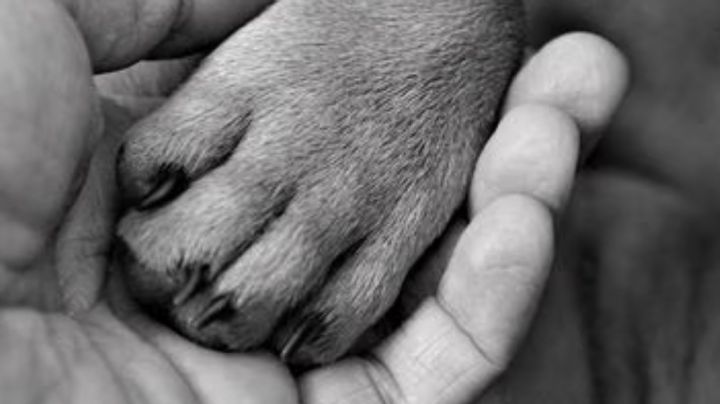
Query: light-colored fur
298, 175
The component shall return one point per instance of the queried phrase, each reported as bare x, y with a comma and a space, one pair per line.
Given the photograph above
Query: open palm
67, 333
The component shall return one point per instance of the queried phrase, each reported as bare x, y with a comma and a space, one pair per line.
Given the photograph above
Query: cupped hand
62, 340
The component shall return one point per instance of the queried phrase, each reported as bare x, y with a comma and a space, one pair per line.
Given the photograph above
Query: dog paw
280, 197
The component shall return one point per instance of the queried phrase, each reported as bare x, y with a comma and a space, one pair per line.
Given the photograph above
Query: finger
581, 74
121, 32
453, 346
534, 151
48, 116
83, 244
530, 133
155, 79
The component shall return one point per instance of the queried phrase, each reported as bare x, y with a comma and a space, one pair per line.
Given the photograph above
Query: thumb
49, 118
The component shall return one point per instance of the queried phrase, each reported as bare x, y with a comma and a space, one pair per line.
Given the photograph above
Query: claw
170, 184
192, 283
308, 330
292, 344
213, 310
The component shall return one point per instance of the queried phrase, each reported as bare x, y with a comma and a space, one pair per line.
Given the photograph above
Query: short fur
295, 179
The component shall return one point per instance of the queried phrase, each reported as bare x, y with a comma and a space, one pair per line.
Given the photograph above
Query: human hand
51, 120
55, 254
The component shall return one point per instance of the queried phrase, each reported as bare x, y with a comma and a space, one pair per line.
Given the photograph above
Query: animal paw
281, 196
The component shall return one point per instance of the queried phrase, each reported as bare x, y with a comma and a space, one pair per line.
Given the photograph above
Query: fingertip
580, 73
534, 151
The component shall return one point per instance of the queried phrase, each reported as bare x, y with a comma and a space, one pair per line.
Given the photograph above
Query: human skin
630, 313
67, 334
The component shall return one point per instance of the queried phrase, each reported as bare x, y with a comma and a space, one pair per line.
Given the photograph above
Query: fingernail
215, 308
170, 183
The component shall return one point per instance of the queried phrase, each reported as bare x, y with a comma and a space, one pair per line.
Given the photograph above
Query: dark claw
292, 344
170, 183
193, 279
308, 331
217, 306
